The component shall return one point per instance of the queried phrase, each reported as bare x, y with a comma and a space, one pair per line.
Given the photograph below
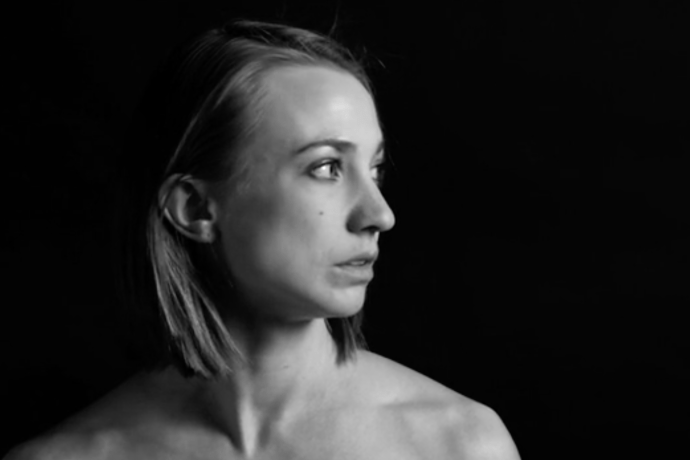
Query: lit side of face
300, 238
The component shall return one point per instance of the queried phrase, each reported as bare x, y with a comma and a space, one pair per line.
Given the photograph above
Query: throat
280, 379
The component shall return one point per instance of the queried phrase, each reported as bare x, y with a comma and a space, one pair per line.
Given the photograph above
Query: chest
379, 436
332, 436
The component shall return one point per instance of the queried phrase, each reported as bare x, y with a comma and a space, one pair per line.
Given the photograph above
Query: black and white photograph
345, 230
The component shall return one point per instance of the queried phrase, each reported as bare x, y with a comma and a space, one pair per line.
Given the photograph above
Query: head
255, 193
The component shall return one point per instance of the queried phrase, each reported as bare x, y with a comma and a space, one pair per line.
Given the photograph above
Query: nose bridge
372, 211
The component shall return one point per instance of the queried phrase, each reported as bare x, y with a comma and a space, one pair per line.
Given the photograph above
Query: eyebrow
337, 144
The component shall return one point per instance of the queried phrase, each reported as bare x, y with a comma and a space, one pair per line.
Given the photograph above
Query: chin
344, 302
304, 304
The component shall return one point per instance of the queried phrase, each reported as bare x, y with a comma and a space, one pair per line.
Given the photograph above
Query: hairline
254, 111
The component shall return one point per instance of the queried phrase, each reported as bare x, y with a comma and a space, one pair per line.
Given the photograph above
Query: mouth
359, 269
357, 264
361, 260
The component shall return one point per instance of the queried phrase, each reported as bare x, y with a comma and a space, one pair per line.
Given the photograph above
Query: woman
255, 222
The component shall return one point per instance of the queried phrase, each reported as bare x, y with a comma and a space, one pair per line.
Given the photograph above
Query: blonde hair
202, 107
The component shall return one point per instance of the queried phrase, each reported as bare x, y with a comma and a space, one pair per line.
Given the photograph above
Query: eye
378, 173
328, 169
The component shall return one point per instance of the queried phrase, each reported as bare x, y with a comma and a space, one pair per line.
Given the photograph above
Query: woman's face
300, 235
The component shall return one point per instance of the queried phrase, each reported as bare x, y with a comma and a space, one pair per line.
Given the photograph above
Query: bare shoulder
484, 435
458, 426
109, 429
67, 446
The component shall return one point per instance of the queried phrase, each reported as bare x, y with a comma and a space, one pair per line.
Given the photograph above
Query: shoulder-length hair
201, 107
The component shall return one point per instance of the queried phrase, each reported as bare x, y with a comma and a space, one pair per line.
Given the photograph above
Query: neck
285, 370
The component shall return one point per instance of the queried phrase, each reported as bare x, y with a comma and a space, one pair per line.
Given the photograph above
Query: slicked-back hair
199, 111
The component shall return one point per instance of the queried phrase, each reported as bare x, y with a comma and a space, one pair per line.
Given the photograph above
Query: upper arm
487, 438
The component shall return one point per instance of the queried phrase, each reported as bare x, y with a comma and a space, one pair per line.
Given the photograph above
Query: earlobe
185, 206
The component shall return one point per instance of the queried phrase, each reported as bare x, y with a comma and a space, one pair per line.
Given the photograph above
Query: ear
186, 205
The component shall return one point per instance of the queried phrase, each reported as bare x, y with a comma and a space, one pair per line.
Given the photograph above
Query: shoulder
394, 384
483, 435
119, 426
68, 446
456, 425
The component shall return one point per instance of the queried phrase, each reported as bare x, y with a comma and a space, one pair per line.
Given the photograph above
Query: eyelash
378, 178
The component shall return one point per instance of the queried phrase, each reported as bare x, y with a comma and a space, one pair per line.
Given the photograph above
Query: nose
371, 213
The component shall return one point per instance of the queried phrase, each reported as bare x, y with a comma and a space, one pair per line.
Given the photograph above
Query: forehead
304, 103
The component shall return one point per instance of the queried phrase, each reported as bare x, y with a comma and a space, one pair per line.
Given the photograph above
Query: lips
357, 270
360, 260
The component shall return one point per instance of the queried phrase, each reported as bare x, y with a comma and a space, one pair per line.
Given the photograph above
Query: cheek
278, 239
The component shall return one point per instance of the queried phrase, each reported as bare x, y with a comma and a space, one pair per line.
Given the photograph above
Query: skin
306, 208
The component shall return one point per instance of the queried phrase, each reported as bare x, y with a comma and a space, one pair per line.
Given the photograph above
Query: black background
540, 258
